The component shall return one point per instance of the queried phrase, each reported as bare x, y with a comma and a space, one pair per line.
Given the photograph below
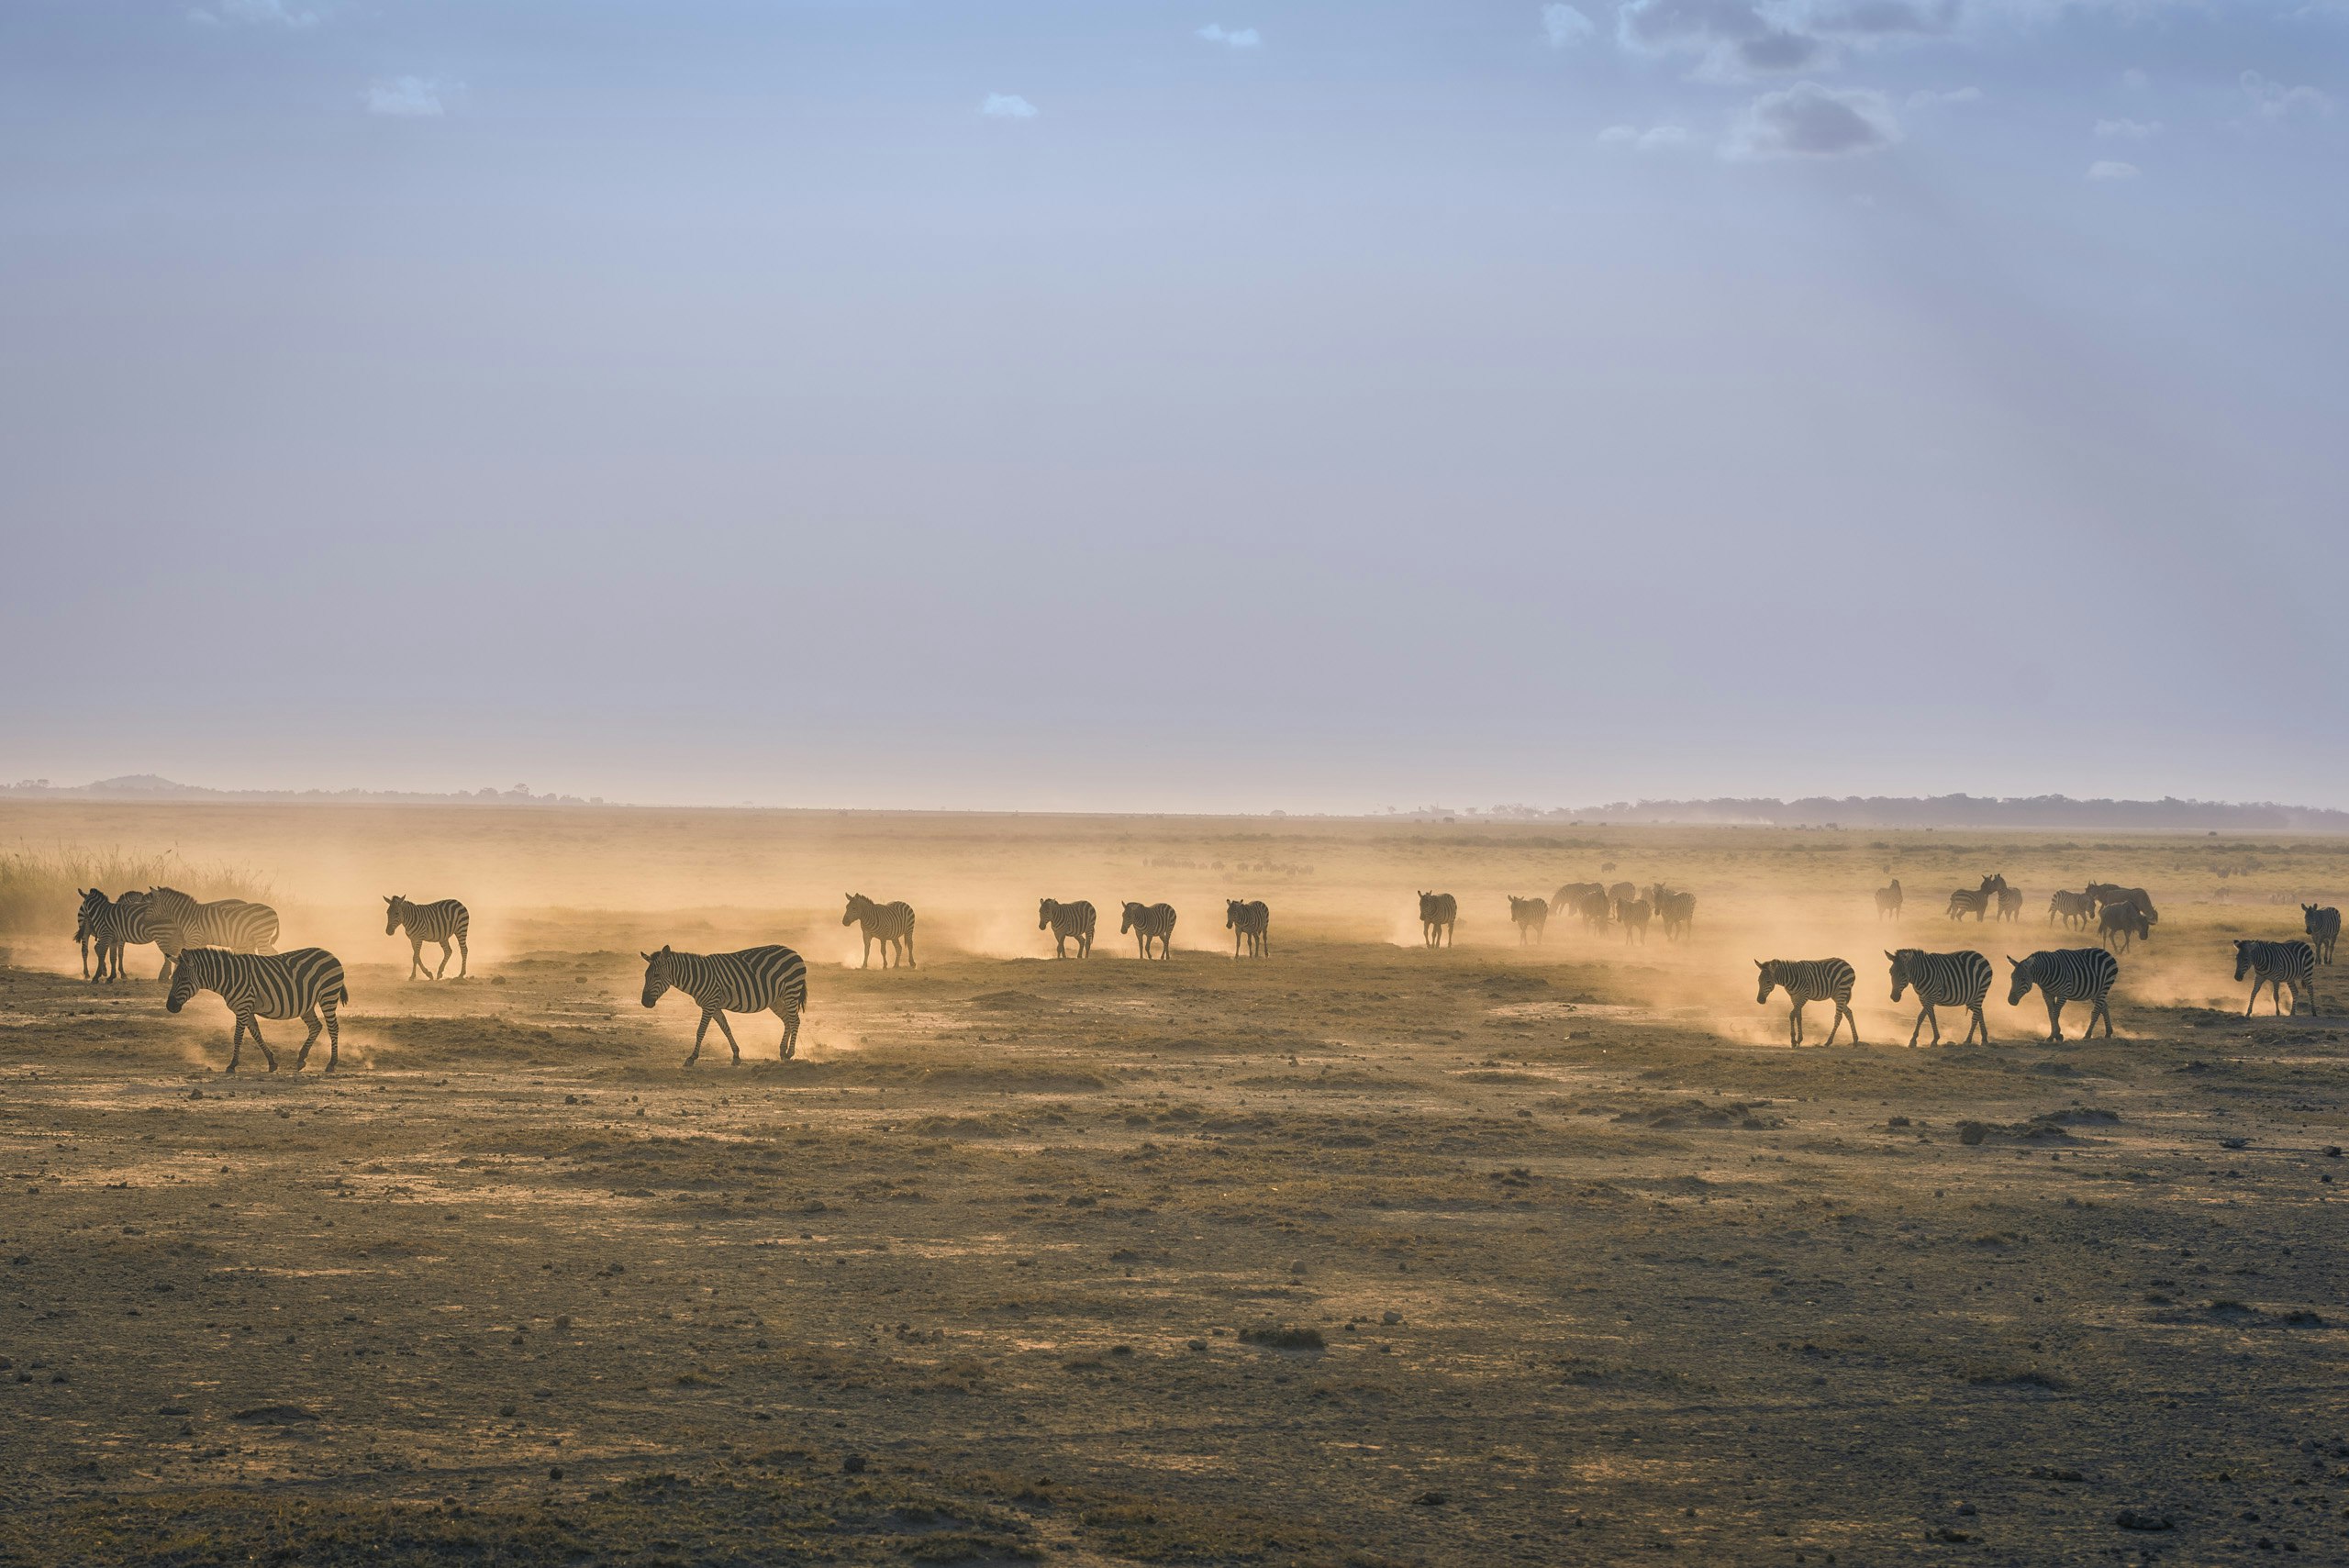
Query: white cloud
2128, 130
1734, 37
1807, 121
1230, 38
1008, 107
1562, 25
1656, 139
2111, 168
251, 12
2274, 102
406, 97
1928, 97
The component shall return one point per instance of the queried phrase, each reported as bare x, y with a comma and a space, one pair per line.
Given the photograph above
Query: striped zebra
1572, 895
109, 925
2277, 965
2075, 909
1808, 981
1253, 922
1633, 918
2010, 904
236, 923
1943, 980
891, 925
1621, 892
1975, 901
1595, 908
302, 985
429, 923
1439, 912
1067, 922
1678, 913
2067, 974
1889, 900
755, 979
2121, 921
1149, 923
2322, 924
1531, 915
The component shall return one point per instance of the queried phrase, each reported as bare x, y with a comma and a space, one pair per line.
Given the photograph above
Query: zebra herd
1598, 905
1949, 980
2119, 914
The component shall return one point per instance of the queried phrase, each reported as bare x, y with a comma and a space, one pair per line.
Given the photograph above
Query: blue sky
1143, 406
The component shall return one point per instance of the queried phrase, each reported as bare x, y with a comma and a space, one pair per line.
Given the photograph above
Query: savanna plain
1360, 1253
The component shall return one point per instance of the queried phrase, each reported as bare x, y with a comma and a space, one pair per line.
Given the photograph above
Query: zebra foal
302, 985
891, 925
429, 923
1067, 922
1808, 981
2277, 965
1943, 980
2067, 974
1252, 921
1149, 923
755, 979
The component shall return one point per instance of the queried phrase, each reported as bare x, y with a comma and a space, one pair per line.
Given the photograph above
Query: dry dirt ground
1361, 1253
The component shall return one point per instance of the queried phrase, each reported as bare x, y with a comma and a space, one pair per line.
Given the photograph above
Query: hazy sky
1125, 404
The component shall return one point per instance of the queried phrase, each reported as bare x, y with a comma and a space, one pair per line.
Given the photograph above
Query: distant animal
1531, 917
754, 980
2323, 927
2075, 909
1067, 922
1943, 980
891, 925
1571, 896
2010, 904
2277, 965
2067, 974
302, 983
1251, 922
110, 924
1889, 900
1678, 913
1595, 908
439, 922
236, 923
1149, 923
1438, 914
1808, 981
2107, 894
1633, 918
2120, 921
1621, 892
1975, 901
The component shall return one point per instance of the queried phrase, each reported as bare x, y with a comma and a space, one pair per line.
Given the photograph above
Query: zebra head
92, 901
1133, 912
1427, 906
2242, 960
1769, 978
656, 973
859, 905
1045, 909
1902, 978
2020, 987
188, 977
395, 912
1231, 908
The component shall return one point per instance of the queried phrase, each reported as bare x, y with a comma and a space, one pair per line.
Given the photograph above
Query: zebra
891, 925
1149, 922
2067, 974
1572, 895
1621, 892
1439, 912
1975, 901
2277, 965
1067, 921
302, 985
2121, 920
1531, 917
1250, 921
429, 923
1808, 981
2010, 904
2075, 909
109, 924
1889, 900
235, 924
755, 979
1677, 911
1943, 980
1633, 918
2323, 927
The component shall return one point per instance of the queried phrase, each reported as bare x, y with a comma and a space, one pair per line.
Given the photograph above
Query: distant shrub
1284, 1339
39, 889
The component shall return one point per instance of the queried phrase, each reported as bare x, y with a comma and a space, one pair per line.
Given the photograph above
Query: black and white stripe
755, 979
302, 983
110, 924
1531, 917
2277, 965
2067, 974
2322, 924
1975, 901
1677, 911
891, 925
235, 924
1572, 895
1943, 980
2075, 909
1250, 920
1067, 922
1633, 915
441, 922
1150, 923
1889, 900
2010, 904
1439, 912
1809, 980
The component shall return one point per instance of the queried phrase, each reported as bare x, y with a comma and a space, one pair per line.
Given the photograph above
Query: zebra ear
645, 956
1888, 953
2014, 961
1759, 965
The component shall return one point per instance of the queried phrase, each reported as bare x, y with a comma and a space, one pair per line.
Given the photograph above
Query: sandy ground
1361, 1253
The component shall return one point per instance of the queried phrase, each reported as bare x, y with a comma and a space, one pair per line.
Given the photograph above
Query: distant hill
2168, 815
149, 787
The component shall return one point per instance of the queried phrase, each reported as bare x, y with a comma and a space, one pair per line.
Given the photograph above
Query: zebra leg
790, 1029
334, 1034
2254, 1002
728, 1031
443, 967
2055, 1019
1794, 1025
316, 1025
237, 1042
868, 952
1980, 1023
910, 951
700, 1030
